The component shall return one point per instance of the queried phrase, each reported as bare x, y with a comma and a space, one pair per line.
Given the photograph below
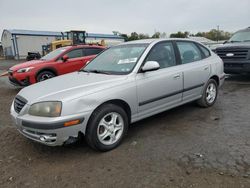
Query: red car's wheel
45, 75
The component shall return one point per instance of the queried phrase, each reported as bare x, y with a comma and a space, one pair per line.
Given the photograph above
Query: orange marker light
70, 123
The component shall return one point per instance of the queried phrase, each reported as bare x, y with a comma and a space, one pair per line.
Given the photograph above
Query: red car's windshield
54, 54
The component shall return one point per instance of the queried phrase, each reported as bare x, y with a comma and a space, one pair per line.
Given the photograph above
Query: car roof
149, 41
244, 30
86, 46
82, 46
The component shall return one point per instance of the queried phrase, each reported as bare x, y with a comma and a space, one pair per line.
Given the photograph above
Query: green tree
125, 36
143, 36
214, 35
156, 35
179, 34
133, 36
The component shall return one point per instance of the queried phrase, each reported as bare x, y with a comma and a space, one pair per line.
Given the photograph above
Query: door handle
206, 68
177, 76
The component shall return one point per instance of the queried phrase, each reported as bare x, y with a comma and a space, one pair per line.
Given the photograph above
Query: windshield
117, 60
242, 36
53, 54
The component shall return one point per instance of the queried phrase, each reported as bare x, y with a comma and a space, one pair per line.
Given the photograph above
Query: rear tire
44, 75
107, 127
209, 95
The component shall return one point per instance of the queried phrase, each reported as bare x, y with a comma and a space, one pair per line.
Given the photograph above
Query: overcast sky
126, 16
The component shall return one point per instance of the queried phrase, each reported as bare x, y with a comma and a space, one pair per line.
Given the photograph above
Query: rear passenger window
92, 51
163, 53
189, 52
205, 51
75, 53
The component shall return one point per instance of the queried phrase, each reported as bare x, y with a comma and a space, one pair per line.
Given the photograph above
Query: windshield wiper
94, 71
233, 41
246, 40
82, 70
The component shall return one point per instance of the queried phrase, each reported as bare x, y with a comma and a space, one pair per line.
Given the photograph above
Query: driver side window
163, 53
75, 53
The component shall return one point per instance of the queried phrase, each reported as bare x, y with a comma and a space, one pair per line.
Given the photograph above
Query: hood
27, 64
234, 45
70, 86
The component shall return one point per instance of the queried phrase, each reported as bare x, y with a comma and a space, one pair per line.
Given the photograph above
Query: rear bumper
237, 67
222, 79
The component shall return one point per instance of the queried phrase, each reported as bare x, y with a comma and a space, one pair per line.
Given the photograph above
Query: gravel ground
184, 147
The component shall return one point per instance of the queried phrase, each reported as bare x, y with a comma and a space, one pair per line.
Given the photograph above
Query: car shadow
238, 78
167, 120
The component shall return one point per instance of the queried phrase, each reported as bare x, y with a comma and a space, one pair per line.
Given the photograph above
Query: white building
202, 40
209, 43
17, 43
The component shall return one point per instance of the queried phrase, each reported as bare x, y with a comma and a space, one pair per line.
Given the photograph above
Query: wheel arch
121, 103
216, 78
118, 102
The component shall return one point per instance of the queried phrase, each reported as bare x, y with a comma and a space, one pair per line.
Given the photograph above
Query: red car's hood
27, 64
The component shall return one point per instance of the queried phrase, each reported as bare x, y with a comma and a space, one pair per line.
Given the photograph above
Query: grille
233, 65
19, 103
238, 54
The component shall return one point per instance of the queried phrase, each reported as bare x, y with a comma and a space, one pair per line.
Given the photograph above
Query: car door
160, 89
74, 62
196, 69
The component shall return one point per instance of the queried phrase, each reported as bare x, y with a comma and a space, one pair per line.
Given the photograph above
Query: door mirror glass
150, 66
65, 58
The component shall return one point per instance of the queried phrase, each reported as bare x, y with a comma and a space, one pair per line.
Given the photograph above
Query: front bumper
15, 82
49, 131
236, 67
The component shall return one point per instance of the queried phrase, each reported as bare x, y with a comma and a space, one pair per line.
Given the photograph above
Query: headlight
46, 109
25, 69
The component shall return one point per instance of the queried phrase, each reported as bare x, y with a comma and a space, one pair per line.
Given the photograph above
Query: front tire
44, 75
209, 95
107, 127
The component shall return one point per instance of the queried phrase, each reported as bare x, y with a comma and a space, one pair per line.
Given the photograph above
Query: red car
60, 61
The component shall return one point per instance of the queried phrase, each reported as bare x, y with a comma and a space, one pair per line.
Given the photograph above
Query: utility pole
218, 31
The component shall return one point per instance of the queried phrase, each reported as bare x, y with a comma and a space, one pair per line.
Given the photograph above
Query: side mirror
150, 66
65, 58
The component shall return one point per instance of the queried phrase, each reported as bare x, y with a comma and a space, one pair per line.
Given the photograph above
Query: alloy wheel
110, 128
211, 93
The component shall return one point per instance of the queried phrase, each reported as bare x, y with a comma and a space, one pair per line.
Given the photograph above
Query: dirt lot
184, 147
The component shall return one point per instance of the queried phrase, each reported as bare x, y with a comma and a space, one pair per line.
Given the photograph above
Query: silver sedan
122, 85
